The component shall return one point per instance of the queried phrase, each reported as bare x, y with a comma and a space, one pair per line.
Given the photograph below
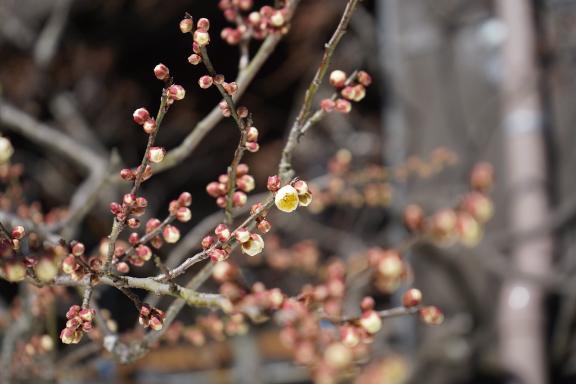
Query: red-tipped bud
301, 187
214, 189
252, 146
273, 183
207, 242
205, 82
246, 183
18, 232
203, 24
338, 78
343, 106
161, 72
183, 214
242, 235
171, 234
239, 199
143, 252
78, 249
222, 232
327, 105
431, 315
129, 199
194, 59
364, 78
122, 267
176, 92
252, 134
264, 226
150, 126
217, 255
186, 25
140, 116
202, 38
127, 174
412, 298
156, 154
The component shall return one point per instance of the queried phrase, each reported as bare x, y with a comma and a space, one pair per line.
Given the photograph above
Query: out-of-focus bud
412, 298
338, 78
161, 72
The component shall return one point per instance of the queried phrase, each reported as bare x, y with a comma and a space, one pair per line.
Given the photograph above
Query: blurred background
456, 82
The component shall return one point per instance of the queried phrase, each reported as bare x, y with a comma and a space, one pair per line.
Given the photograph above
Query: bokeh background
446, 75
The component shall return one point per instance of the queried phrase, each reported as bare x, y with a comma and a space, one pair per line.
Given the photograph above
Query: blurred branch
47, 43
48, 137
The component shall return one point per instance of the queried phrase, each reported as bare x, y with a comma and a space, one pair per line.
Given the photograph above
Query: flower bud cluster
244, 184
77, 264
463, 224
390, 270
79, 321
290, 196
256, 24
151, 317
350, 90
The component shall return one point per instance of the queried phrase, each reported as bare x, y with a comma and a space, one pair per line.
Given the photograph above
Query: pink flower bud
87, 314
115, 208
183, 214
327, 105
78, 249
343, 106
252, 134
203, 24
143, 252
264, 226
122, 267
18, 232
156, 154
213, 189
301, 187
252, 146
242, 169
207, 242
134, 238
412, 298
277, 19
150, 126
67, 336
242, 112
140, 116
129, 199
230, 88
431, 315
221, 201
246, 183
364, 78
254, 18
222, 232
194, 59
242, 235
224, 109
338, 78
273, 183
186, 25
176, 92
161, 72
127, 174
69, 264
133, 223
185, 199
370, 321
156, 323
152, 224
239, 199
202, 38
217, 255
171, 234
205, 82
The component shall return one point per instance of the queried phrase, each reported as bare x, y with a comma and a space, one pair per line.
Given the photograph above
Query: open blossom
253, 246
286, 199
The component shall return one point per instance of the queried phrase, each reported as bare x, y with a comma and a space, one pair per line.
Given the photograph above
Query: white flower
286, 199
